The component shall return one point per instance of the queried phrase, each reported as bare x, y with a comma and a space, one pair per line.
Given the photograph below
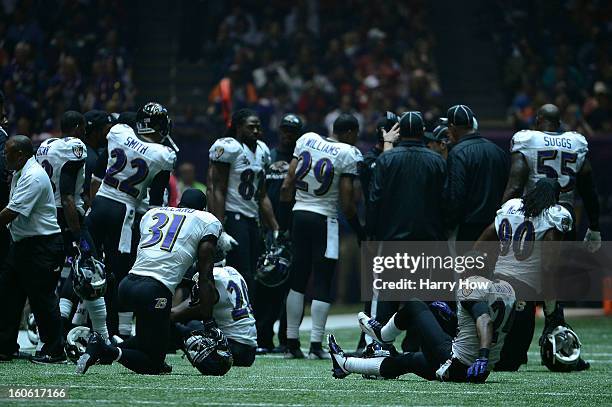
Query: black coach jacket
405, 194
477, 176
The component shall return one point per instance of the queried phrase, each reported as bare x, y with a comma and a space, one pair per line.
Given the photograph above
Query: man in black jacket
477, 176
4, 179
405, 197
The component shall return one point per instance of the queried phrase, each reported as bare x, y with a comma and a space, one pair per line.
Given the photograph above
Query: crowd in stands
63, 55
319, 58
558, 51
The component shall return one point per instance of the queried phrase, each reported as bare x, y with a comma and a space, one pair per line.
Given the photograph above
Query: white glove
592, 240
226, 242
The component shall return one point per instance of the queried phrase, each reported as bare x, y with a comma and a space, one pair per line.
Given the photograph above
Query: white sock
370, 366
80, 315
389, 332
97, 314
65, 306
319, 311
125, 323
295, 307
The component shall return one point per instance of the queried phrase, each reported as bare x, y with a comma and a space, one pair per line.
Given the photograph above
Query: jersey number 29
323, 172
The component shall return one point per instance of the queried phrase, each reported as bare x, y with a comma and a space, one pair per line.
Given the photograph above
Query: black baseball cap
386, 122
411, 124
460, 115
96, 118
292, 121
439, 134
194, 199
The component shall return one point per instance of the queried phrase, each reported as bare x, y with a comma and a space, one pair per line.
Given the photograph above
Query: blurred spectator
566, 59
74, 59
187, 179
319, 59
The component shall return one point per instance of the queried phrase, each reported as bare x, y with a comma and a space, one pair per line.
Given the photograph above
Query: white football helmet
561, 350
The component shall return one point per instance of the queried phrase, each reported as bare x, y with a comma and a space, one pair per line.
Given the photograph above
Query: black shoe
262, 351
97, 351
44, 359
338, 359
293, 350
165, 368
317, 352
16, 355
279, 349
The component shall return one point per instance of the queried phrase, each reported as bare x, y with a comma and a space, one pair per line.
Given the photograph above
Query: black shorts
151, 302
244, 355
310, 240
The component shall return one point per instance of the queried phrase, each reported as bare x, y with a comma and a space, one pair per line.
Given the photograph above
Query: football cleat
293, 350
45, 359
97, 351
337, 357
371, 327
318, 353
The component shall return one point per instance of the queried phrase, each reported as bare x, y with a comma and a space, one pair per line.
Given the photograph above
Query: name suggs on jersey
550, 141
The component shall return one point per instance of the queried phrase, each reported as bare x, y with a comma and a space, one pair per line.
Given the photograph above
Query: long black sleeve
68, 177
158, 186
588, 192
454, 191
375, 192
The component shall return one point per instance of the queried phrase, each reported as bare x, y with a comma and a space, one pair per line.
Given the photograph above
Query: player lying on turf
484, 316
232, 312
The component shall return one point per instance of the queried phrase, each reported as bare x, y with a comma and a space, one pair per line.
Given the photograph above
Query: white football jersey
321, 163
246, 173
552, 155
233, 312
52, 154
169, 240
499, 295
132, 165
523, 263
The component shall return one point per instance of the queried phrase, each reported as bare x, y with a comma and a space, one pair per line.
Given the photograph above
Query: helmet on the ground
88, 278
560, 350
209, 352
76, 342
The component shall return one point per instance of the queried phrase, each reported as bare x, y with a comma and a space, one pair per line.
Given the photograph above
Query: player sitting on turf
539, 220
232, 311
483, 318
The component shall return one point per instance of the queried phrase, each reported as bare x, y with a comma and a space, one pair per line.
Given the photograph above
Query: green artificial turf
273, 381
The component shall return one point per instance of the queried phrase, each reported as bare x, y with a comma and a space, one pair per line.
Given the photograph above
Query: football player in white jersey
64, 161
172, 240
236, 189
484, 315
232, 312
322, 171
548, 153
535, 218
135, 163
